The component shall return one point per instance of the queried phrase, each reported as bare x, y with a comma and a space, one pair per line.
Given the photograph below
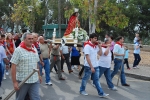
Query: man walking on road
24, 60
3, 57
118, 60
55, 60
91, 49
65, 50
45, 51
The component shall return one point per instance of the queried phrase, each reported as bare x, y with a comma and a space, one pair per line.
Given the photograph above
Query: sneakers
136, 67
7, 73
84, 93
4, 77
114, 88
104, 95
49, 83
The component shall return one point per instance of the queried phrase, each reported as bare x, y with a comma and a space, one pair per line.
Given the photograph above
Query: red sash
22, 45
89, 43
119, 44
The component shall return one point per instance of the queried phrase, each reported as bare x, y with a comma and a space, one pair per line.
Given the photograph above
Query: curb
145, 78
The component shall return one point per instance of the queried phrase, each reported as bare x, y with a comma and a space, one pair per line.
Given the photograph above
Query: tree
106, 13
138, 12
26, 12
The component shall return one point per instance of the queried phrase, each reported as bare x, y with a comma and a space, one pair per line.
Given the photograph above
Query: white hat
76, 10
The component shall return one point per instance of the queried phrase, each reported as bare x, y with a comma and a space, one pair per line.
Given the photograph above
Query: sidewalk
142, 73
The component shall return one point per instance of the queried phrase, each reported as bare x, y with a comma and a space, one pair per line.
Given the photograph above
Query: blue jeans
137, 59
1, 74
3, 68
106, 72
47, 69
117, 65
87, 74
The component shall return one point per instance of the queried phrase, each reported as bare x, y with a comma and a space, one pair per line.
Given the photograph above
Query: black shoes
125, 84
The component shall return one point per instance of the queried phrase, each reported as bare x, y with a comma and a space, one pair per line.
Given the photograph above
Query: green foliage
106, 12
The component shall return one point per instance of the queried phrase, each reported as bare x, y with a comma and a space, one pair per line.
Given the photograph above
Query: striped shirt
26, 61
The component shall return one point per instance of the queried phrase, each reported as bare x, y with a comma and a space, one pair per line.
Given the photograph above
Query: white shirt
92, 52
26, 61
65, 49
105, 61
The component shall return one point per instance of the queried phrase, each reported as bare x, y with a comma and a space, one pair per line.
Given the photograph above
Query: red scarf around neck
22, 45
89, 43
36, 44
104, 46
119, 44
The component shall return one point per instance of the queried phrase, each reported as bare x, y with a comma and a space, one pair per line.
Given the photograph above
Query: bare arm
6, 61
100, 50
13, 73
107, 50
56, 47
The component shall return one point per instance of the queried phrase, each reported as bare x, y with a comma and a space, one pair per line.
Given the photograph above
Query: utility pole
59, 17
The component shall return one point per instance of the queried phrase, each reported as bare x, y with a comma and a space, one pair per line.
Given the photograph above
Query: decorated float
74, 34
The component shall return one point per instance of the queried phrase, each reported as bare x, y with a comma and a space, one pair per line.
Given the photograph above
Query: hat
76, 10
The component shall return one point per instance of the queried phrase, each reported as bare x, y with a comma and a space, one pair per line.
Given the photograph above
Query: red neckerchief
1, 44
119, 44
36, 44
22, 45
104, 46
89, 43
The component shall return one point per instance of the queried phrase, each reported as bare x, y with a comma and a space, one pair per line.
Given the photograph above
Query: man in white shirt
91, 49
105, 63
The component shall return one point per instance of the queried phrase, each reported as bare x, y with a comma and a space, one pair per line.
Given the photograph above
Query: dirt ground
145, 58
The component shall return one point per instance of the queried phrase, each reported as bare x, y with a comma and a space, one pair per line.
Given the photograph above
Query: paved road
69, 89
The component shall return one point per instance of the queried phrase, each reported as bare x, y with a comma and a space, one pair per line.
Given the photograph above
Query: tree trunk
92, 26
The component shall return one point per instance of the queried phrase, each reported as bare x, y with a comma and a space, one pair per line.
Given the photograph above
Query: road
69, 89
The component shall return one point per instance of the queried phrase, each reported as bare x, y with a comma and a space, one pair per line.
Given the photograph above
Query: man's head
106, 35
41, 39
137, 34
28, 39
35, 37
120, 39
107, 41
3, 37
93, 37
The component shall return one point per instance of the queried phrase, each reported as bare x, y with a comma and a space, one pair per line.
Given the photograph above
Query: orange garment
10, 46
73, 22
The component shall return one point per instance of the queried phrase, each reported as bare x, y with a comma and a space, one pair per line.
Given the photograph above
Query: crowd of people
23, 53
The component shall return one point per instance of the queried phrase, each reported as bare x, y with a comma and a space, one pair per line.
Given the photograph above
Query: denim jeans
3, 67
1, 74
106, 72
117, 65
137, 59
47, 69
87, 74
